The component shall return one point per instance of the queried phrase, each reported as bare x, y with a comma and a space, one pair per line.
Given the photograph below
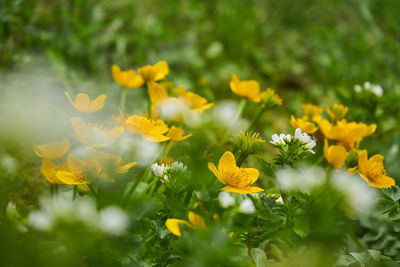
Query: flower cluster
369, 87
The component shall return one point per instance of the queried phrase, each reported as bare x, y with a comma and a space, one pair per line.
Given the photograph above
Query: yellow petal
176, 134
157, 92
173, 226
161, 70
243, 190
53, 150
227, 161
252, 174
98, 103
126, 167
196, 220
363, 161
82, 102
70, 178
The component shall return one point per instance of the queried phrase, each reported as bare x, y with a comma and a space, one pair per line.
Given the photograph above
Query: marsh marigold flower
75, 172
127, 79
335, 155
312, 112
53, 150
49, 171
237, 180
193, 100
348, 134
195, 222
373, 171
249, 89
176, 134
149, 129
305, 125
337, 112
153, 73
94, 134
83, 104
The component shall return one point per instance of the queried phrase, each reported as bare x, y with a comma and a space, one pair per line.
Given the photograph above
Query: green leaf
259, 257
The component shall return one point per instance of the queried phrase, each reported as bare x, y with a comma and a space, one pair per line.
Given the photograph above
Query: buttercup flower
306, 126
312, 112
151, 130
237, 180
249, 89
127, 79
335, 155
337, 112
373, 171
153, 73
193, 100
348, 134
75, 172
176, 134
195, 222
53, 150
94, 134
83, 104
49, 171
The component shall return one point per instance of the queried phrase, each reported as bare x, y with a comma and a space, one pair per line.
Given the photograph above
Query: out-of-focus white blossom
247, 207
113, 220
305, 179
8, 164
358, 196
374, 88
226, 199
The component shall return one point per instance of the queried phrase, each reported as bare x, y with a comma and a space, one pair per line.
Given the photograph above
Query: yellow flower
195, 221
249, 89
373, 171
271, 99
157, 93
312, 112
53, 150
75, 172
151, 130
335, 155
127, 79
176, 134
153, 73
109, 164
193, 100
83, 104
348, 134
94, 134
337, 112
49, 171
306, 126
238, 180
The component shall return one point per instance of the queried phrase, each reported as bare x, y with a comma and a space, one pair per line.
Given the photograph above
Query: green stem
122, 100
242, 157
74, 192
168, 148
256, 118
148, 102
242, 105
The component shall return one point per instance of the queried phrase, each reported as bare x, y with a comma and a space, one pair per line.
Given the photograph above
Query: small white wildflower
304, 180
377, 90
158, 170
171, 108
113, 220
280, 200
367, 85
40, 220
359, 197
225, 199
9, 164
225, 113
374, 88
305, 139
279, 140
247, 206
178, 166
357, 88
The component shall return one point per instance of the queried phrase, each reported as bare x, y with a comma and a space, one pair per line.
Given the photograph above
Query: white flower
225, 199
357, 88
280, 200
304, 180
279, 140
247, 207
158, 170
113, 220
305, 139
162, 170
358, 196
374, 88
40, 220
377, 90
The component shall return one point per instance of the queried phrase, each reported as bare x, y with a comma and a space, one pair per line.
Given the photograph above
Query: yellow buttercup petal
53, 150
243, 190
127, 79
70, 178
176, 134
196, 220
335, 155
161, 69
173, 226
227, 161
83, 104
252, 174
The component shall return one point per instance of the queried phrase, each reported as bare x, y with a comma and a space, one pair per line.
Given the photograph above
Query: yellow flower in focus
312, 112
348, 134
151, 130
127, 79
335, 155
249, 89
94, 134
53, 150
49, 171
153, 73
193, 100
83, 104
306, 126
337, 112
238, 180
195, 222
75, 172
373, 171
176, 134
